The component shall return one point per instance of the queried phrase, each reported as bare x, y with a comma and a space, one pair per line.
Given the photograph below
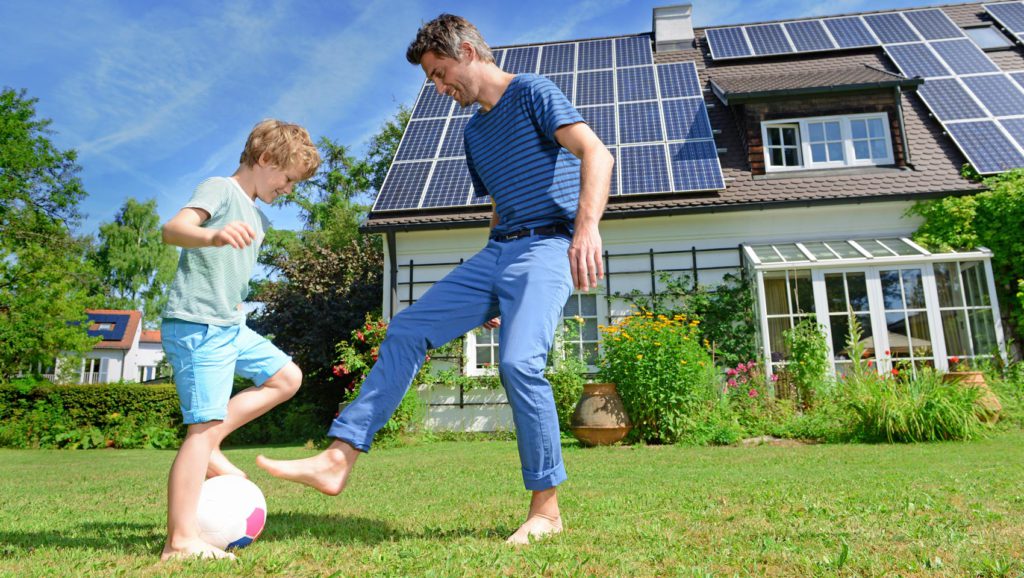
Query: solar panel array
976, 102
652, 118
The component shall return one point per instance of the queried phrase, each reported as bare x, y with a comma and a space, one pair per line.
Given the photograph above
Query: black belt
549, 230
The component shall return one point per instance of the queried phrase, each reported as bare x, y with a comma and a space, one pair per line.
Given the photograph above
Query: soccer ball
232, 512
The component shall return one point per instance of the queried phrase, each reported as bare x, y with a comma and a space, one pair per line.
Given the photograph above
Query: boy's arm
585, 259
185, 230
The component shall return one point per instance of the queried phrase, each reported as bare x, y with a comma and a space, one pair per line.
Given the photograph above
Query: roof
734, 89
116, 327
933, 166
150, 336
846, 252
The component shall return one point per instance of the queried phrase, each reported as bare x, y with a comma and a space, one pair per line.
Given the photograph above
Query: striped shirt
513, 156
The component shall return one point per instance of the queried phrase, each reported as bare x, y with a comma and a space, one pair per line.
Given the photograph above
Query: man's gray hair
444, 36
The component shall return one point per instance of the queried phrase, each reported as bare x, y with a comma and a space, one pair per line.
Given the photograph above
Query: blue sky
156, 96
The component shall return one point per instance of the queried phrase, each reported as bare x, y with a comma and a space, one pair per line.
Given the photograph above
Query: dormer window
827, 142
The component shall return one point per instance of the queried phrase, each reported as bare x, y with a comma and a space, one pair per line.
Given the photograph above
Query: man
548, 176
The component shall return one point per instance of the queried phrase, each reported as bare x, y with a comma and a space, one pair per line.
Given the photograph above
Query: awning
849, 252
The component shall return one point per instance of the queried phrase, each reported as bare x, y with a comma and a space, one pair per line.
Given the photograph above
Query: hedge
92, 405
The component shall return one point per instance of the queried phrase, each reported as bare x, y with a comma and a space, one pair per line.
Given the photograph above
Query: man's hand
585, 261
238, 234
492, 324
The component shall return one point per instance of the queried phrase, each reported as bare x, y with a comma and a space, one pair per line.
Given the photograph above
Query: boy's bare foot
327, 471
193, 549
535, 527
221, 466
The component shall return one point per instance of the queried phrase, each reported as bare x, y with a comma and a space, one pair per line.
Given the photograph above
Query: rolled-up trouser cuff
544, 480
348, 435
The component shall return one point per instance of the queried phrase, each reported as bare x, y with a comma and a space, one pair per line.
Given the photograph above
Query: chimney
673, 28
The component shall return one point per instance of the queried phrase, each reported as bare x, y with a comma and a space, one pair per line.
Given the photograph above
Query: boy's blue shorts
205, 359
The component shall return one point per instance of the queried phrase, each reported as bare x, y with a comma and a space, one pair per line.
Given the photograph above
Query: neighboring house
788, 152
127, 352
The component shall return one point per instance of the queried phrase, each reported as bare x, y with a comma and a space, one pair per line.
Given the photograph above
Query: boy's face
272, 182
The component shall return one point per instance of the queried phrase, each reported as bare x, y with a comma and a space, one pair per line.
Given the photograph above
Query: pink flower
752, 393
360, 336
339, 370
775, 377
731, 372
732, 383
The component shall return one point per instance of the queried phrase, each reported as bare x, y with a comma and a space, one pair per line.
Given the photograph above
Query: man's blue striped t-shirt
513, 156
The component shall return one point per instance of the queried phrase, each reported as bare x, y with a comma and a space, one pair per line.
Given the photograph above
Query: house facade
126, 351
785, 152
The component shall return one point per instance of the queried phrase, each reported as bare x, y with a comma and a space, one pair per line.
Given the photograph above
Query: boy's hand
238, 234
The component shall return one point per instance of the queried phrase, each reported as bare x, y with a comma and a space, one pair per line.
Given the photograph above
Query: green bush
89, 416
565, 373
807, 370
662, 371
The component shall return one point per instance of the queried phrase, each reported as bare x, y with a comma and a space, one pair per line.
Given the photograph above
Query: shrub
807, 370
747, 395
565, 373
663, 373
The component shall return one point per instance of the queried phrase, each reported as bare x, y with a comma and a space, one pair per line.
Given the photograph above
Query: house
126, 352
787, 151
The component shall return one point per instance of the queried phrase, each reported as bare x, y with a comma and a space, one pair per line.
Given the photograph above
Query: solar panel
678, 79
558, 58
519, 60
639, 122
430, 104
997, 93
1018, 77
686, 118
403, 186
633, 51
916, 60
949, 100
636, 84
420, 140
891, 28
986, 147
850, 32
933, 24
465, 111
594, 88
1014, 126
1009, 14
449, 185
118, 320
498, 55
695, 166
453, 144
964, 57
564, 82
595, 54
644, 170
768, 39
614, 188
601, 120
809, 36
728, 43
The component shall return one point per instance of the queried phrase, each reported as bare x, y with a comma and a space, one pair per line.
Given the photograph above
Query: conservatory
913, 307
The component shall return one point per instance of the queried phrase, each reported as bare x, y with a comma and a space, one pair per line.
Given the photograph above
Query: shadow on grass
359, 530
120, 537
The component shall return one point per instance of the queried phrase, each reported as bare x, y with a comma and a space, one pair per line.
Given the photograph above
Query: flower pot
600, 418
989, 407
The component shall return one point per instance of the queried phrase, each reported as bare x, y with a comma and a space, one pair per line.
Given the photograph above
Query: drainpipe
393, 268
903, 128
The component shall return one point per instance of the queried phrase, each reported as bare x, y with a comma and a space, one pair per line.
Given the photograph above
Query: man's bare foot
220, 465
535, 527
193, 549
327, 471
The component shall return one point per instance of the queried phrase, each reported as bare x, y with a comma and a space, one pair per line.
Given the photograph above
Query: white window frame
94, 370
849, 158
768, 146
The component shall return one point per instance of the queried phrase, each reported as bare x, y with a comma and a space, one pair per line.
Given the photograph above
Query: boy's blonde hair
286, 145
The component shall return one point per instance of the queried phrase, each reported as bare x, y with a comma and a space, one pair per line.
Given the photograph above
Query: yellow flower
639, 356
656, 344
682, 362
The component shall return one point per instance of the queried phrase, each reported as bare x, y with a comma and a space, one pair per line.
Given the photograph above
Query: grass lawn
444, 509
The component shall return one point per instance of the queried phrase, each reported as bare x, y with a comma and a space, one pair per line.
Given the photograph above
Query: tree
136, 264
45, 279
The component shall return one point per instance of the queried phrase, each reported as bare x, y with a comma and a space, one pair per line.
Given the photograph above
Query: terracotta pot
989, 407
600, 418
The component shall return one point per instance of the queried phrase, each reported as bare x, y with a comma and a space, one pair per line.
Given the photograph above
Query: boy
204, 332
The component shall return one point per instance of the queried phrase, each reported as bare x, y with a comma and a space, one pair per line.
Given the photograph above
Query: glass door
844, 294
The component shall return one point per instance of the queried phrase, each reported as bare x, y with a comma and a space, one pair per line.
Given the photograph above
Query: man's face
451, 77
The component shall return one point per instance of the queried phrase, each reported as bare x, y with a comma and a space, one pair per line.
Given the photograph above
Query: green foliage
904, 406
89, 416
136, 265
989, 219
807, 370
662, 371
565, 373
726, 312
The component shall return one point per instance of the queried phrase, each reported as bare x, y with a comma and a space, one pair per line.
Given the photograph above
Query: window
988, 38
906, 316
103, 327
789, 298
94, 370
965, 309
827, 142
147, 372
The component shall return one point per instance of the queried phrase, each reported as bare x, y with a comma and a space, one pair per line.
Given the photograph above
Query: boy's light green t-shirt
212, 282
